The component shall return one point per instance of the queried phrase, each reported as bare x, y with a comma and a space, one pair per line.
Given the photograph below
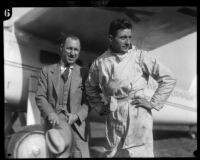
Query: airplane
31, 39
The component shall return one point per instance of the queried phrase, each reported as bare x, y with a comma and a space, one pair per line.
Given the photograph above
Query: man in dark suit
60, 94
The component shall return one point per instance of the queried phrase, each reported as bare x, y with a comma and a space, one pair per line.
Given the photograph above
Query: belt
114, 101
124, 99
128, 98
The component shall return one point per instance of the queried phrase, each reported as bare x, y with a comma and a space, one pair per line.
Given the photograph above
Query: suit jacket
48, 92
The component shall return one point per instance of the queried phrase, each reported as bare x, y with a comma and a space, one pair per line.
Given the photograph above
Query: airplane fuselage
22, 61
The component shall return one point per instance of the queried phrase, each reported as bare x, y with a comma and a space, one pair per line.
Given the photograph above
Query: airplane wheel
28, 143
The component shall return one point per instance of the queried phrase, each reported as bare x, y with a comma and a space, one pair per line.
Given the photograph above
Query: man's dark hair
117, 24
64, 37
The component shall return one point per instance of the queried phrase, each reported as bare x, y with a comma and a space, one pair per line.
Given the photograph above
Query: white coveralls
121, 78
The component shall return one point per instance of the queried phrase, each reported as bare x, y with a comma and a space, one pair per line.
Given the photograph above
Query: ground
169, 141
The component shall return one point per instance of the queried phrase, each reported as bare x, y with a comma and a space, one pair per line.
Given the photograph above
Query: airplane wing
153, 26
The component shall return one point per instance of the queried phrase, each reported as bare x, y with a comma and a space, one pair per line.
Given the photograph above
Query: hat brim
55, 141
59, 139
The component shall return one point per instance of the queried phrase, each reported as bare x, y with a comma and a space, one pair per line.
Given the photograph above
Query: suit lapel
75, 79
56, 78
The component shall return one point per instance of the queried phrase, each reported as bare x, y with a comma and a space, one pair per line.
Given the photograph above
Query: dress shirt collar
63, 67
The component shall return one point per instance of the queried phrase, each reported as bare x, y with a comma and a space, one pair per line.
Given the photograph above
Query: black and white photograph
100, 81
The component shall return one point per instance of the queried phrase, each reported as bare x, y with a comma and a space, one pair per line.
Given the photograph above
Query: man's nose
72, 52
128, 41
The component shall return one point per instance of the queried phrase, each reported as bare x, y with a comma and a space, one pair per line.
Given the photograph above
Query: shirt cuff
78, 121
156, 106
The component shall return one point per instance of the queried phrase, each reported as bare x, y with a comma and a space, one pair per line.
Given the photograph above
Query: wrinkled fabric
121, 78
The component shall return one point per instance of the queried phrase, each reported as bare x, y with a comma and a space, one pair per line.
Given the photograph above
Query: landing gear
10, 118
29, 142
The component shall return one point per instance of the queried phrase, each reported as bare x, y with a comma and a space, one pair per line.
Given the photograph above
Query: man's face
122, 41
70, 51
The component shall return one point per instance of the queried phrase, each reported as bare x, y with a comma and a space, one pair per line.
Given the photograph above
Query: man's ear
61, 47
110, 38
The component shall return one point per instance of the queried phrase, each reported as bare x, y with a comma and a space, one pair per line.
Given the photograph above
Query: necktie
65, 74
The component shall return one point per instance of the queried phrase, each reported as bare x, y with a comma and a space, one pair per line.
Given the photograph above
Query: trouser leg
80, 148
141, 151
